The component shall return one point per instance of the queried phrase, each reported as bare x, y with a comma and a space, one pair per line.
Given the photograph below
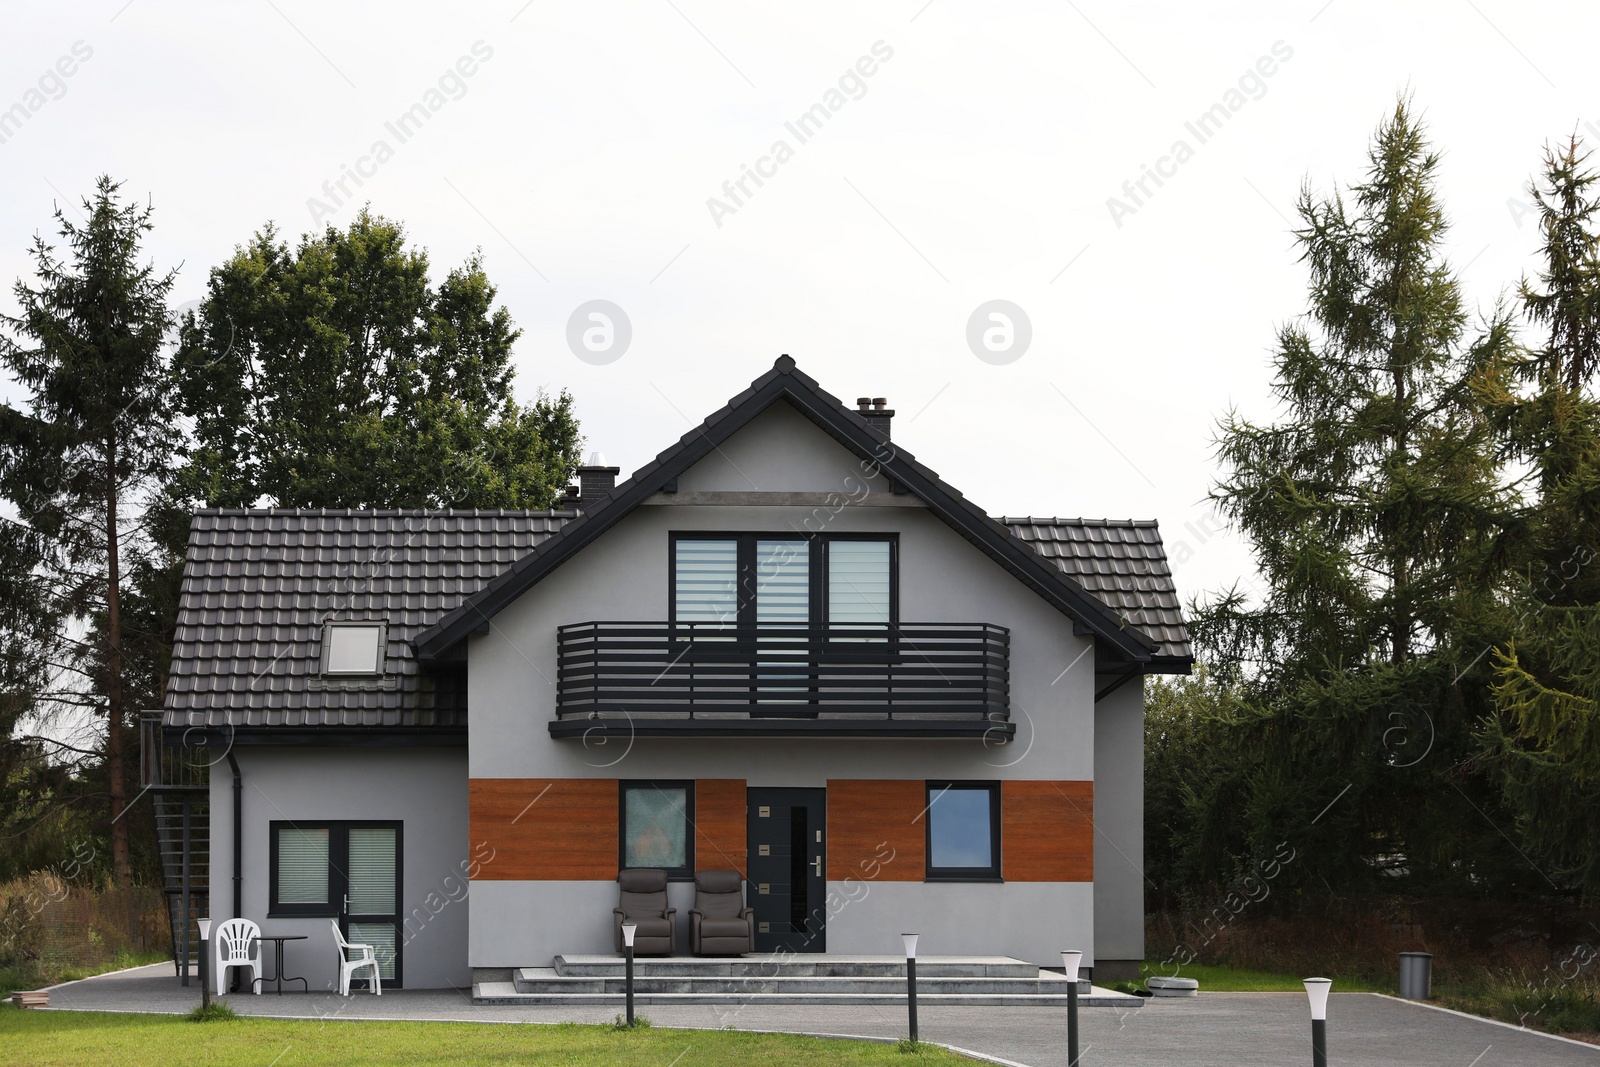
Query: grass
68, 1039
38, 974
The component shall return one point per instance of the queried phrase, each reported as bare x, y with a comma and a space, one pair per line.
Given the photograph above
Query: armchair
643, 900
720, 924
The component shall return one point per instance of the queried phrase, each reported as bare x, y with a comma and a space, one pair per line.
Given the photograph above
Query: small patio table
279, 977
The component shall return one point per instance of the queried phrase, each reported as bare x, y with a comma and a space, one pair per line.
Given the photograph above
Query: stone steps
505, 993
795, 966
819, 979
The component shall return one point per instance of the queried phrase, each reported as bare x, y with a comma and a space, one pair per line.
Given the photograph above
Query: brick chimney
876, 410
595, 479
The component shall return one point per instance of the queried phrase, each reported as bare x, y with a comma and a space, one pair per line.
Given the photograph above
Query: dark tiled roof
1120, 561
257, 586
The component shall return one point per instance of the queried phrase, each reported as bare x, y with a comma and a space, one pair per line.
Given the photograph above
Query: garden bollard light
1317, 992
205, 965
911, 980
1070, 959
628, 930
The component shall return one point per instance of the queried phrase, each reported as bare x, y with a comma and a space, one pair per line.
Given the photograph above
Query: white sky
977, 166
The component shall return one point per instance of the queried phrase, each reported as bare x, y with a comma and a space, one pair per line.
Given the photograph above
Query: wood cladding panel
544, 829
877, 830
720, 824
1047, 831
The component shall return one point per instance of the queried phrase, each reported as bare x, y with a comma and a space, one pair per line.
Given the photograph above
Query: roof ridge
1076, 521
387, 512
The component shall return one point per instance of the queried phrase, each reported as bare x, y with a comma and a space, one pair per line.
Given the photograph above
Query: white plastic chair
234, 944
365, 957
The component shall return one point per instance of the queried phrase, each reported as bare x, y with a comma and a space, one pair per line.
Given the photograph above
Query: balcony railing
707, 678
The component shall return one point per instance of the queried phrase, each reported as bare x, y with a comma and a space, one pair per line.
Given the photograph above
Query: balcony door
787, 886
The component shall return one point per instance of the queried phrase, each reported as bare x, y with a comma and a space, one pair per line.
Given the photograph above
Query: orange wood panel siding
544, 828
720, 824
1047, 831
876, 830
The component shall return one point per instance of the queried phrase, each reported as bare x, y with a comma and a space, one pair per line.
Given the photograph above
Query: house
783, 647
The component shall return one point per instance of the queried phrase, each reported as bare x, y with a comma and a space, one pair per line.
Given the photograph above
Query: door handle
817, 863
346, 905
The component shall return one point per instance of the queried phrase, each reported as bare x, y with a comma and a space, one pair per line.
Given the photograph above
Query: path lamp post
1317, 993
1069, 963
205, 966
911, 981
628, 930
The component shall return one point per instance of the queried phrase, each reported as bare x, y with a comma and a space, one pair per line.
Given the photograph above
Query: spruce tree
77, 459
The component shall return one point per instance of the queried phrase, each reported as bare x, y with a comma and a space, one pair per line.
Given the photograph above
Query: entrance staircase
813, 979
182, 802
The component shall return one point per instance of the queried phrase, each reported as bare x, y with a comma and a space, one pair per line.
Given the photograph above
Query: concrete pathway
1211, 1030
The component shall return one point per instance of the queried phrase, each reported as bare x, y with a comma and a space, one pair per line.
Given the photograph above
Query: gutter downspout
238, 831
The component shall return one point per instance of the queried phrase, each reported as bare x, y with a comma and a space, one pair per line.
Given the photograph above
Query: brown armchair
644, 902
720, 924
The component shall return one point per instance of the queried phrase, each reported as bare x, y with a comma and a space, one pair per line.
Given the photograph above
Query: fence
53, 924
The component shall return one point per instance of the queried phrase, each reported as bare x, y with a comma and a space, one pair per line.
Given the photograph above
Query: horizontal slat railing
693, 671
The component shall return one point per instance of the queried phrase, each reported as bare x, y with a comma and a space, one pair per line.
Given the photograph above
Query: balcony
707, 679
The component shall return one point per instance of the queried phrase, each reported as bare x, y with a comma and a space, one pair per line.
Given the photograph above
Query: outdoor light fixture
911, 980
629, 928
205, 967
1317, 993
1070, 959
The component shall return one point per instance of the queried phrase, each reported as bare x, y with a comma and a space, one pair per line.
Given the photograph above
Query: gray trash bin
1416, 975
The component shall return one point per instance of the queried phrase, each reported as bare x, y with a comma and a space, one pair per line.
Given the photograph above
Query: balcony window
963, 831
746, 581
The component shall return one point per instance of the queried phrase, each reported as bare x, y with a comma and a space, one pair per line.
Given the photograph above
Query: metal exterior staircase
180, 791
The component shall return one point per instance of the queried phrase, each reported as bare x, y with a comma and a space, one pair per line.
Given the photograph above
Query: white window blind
783, 582
858, 582
302, 866
706, 582
372, 870
354, 649
381, 936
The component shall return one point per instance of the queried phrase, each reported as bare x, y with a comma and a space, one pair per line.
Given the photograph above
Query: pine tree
1374, 511
76, 460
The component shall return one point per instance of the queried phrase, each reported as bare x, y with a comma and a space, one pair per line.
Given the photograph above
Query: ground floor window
657, 821
348, 871
963, 831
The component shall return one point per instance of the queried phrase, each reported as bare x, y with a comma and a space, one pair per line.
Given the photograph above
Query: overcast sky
961, 153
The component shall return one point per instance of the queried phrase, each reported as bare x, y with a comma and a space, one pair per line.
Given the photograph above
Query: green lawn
1235, 980
68, 1039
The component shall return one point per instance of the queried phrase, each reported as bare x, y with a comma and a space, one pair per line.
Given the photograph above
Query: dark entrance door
787, 885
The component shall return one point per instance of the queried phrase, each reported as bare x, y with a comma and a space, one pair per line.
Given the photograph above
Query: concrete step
505, 993
817, 965
548, 980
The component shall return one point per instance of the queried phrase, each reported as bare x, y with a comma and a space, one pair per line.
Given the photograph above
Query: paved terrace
1212, 1030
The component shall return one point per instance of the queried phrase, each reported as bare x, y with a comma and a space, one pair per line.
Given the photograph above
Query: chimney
876, 410
595, 479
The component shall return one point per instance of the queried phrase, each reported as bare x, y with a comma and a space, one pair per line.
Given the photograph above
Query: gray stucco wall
1119, 824
623, 576
425, 789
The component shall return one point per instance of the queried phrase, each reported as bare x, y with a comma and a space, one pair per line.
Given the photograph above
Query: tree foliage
77, 460
338, 375
1378, 518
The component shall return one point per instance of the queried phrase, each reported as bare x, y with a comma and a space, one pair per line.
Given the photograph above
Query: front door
787, 885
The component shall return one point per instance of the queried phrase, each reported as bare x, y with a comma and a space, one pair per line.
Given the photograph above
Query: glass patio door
372, 901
